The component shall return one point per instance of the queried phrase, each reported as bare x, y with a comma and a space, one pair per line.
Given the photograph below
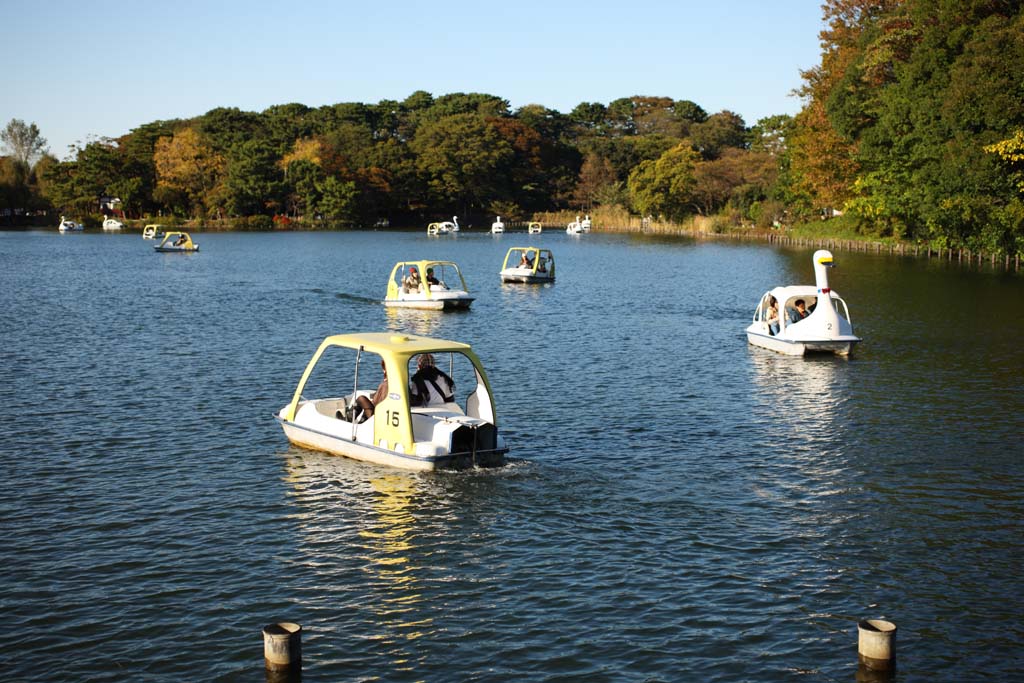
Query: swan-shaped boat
574, 228
806, 318
497, 226
534, 228
69, 226
585, 223
528, 265
153, 232
444, 227
174, 242
450, 431
434, 285
111, 224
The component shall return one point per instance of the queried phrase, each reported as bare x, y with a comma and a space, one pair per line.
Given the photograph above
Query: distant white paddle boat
574, 228
153, 232
433, 285
411, 421
799, 319
528, 265
497, 226
585, 223
444, 227
111, 224
69, 226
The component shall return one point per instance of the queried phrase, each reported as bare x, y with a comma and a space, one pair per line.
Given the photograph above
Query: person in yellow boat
180, 242
366, 405
412, 280
430, 386
526, 261
432, 279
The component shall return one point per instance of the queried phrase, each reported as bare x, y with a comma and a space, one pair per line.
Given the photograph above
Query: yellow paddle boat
529, 265
534, 228
433, 409
436, 285
177, 242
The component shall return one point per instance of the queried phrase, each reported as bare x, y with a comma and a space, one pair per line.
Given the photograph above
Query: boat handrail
355, 389
846, 309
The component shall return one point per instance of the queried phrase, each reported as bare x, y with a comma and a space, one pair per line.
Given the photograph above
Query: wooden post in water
876, 644
282, 648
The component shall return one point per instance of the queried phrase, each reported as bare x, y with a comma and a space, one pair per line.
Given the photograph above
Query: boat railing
846, 310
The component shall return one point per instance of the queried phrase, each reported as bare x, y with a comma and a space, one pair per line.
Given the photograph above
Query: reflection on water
416, 321
802, 392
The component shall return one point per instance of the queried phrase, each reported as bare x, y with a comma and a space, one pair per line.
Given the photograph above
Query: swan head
822, 262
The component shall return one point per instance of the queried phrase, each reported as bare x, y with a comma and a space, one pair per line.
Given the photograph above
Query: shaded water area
678, 505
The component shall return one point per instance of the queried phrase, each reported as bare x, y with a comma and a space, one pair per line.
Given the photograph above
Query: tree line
912, 126
414, 160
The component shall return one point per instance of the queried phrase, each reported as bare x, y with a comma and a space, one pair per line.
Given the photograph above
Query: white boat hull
525, 276
841, 346
316, 431
434, 304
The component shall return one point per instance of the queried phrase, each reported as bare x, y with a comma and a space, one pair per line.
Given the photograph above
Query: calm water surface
679, 505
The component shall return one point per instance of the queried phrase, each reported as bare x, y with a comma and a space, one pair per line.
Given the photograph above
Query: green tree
719, 132
665, 187
338, 200
23, 140
460, 155
252, 180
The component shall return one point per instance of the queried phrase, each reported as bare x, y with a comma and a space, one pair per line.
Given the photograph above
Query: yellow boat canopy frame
401, 271
396, 350
528, 264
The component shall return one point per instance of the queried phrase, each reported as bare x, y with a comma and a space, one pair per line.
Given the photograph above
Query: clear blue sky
88, 69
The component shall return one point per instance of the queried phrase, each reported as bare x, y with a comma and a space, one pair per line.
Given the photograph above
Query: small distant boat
433, 285
153, 232
174, 242
110, 224
534, 228
497, 226
69, 226
529, 265
434, 432
452, 225
800, 319
578, 226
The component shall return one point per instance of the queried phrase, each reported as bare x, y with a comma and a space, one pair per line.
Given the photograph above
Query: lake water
678, 505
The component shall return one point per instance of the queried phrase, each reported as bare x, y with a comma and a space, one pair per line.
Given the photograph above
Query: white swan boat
809, 318
578, 226
534, 228
69, 226
153, 232
111, 224
444, 228
529, 265
434, 285
497, 226
175, 242
450, 431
